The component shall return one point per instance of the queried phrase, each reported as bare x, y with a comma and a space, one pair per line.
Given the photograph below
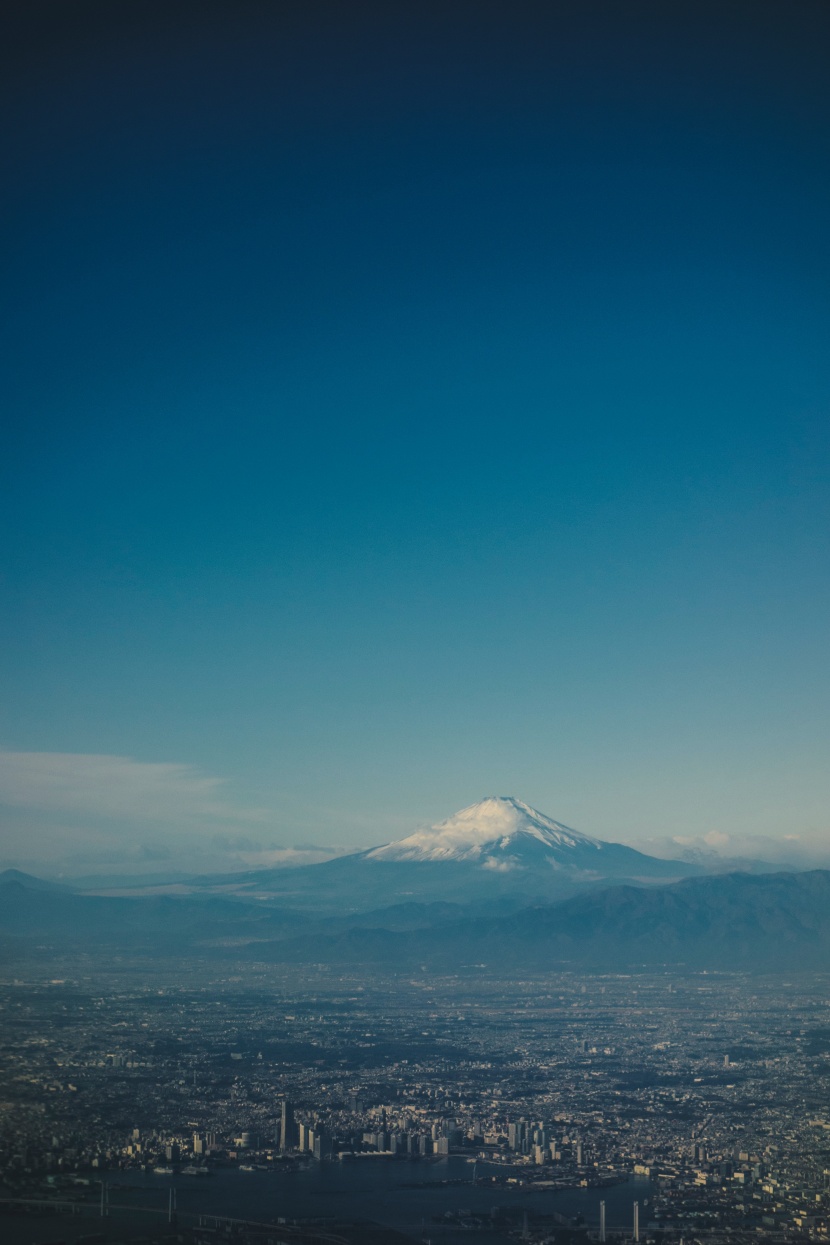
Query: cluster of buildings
711, 1089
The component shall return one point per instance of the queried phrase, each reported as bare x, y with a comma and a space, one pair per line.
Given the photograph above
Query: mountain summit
496, 829
504, 835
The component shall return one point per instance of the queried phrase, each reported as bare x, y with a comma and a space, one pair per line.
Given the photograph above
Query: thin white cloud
101, 786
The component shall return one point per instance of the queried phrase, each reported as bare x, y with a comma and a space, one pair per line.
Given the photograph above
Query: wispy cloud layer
113, 786
73, 811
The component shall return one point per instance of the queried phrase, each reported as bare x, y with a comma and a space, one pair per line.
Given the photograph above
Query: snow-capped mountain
503, 834
499, 849
496, 829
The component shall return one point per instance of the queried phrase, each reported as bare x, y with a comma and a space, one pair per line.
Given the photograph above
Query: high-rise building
602, 1222
322, 1144
636, 1221
288, 1136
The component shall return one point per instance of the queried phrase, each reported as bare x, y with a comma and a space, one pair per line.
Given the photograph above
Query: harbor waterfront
401, 1195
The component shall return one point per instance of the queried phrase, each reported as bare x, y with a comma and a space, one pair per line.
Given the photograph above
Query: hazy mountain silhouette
729, 921
29, 882
770, 921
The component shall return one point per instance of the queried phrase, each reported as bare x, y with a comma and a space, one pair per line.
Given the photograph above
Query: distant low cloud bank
810, 850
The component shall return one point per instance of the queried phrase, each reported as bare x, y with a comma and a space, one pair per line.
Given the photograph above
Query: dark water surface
401, 1195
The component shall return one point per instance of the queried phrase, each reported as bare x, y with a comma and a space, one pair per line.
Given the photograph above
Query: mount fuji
501, 833
498, 849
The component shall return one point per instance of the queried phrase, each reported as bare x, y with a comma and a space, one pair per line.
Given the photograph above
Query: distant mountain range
497, 884
734, 921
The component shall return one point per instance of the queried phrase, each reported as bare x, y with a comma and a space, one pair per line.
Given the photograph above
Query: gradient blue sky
409, 402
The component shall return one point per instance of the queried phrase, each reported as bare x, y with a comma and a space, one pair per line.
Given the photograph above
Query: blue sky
408, 403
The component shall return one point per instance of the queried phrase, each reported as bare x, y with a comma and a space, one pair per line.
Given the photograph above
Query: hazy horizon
201, 847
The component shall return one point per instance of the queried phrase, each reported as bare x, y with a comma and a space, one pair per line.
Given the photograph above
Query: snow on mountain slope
498, 826
500, 849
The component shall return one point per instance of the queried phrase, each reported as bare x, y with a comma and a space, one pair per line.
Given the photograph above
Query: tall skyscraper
287, 1129
636, 1221
322, 1144
602, 1221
